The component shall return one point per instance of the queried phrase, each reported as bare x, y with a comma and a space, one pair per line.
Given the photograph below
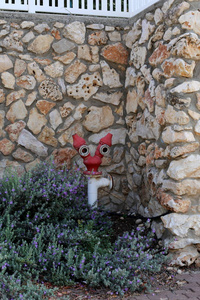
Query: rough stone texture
22, 155
97, 38
17, 111
36, 121
64, 156
15, 129
44, 106
41, 44
6, 146
75, 32
74, 71
5, 63
55, 119
115, 53
138, 55
170, 136
49, 89
8, 80
110, 76
47, 137
27, 82
62, 46
159, 55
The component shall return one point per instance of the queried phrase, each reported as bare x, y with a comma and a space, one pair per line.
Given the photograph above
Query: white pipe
93, 184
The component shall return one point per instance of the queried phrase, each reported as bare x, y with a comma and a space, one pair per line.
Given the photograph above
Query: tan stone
98, 38
177, 67
157, 36
44, 106
63, 157
197, 128
66, 109
55, 119
148, 100
6, 146
110, 98
87, 86
8, 80
98, 118
133, 34
68, 122
17, 111
159, 55
187, 87
43, 61
198, 101
34, 69
27, 82
172, 116
81, 108
28, 37
15, 129
54, 70
114, 36
56, 33
185, 257
27, 140
130, 77
187, 46
22, 155
20, 67
75, 31
13, 96
63, 46
66, 137
41, 27
41, 44
119, 136
131, 101
36, 121
158, 16
5, 63
2, 96
12, 42
74, 71
32, 165
31, 98
2, 117
147, 126
190, 21
182, 150
84, 52
195, 116
47, 137
186, 186
49, 89
147, 30
170, 136
67, 58
160, 95
115, 53
110, 76
138, 55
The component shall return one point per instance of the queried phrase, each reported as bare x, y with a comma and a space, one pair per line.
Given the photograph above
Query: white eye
104, 149
84, 150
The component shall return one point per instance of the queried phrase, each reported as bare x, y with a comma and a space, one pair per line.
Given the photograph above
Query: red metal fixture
92, 162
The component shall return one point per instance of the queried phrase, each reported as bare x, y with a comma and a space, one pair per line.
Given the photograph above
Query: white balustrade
106, 8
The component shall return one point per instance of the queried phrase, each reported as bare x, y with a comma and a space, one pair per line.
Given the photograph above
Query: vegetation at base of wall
50, 234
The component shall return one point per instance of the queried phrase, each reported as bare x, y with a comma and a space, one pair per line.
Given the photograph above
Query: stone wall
137, 79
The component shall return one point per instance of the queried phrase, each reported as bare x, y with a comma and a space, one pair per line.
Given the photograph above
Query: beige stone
185, 257
2, 96
63, 46
27, 140
85, 52
8, 80
190, 21
17, 111
131, 101
41, 44
198, 101
172, 116
66, 59
109, 98
177, 67
27, 82
138, 55
114, 36
44, 106
195, 116
54, 70
160, 95
185, 187
55, 119
182, 150
119, 136
34, 69
157, 36
36, 121
95, 26
80, 109
20, 67
14, 166
147, 126
87, 86
15, 129
66, 109
170, 136
13, 96
42, 27
75, 31
47, 137
2, 118
28, 37
74, 71
31, 98
68, 122
159, 55
133, 34
98, 38
187, 46
64, 156
12, 42
98, 118
116, 53
49, 89
197, 128
31, 165
158, 16
147, 30
5, 63
110, 76
187, 87
27, 24
6, 146
130, 77
66, 137
22, 155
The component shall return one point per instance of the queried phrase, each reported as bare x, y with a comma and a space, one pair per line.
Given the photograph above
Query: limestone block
138, 55
182, 150
28, 37
187, 87
133, 35
17, 111
177, 67
6, 146
81, 108
110, 76
188, 167
98, 38
41, 44
36, 121
66, 137
66, 59
27, 24
68, 122
34, 69
49, 89
170, 136
157, 36
31, 98
130, 77
87, 86
8, 80
172, 116
98, 118
185, 257
186, 186
15, 129
116, 53
132, 101
55, 119
22, 155
44, 106
119, 136
187, 46
20, 67
54, 70
147, 126
26, 82
109, 98
173, 14
13, 96
158, 16
12, 42
27, 140
159, 55
75, 31
167, 4
114, 36
195, 116
95, 26
2, 96
64, 156
63, 46
56, 33
42, 27
74, 71
66, 109
5, 63
47, 137
147, 30
190, 21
